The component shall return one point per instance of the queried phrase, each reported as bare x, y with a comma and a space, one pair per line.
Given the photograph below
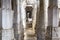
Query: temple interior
29, 19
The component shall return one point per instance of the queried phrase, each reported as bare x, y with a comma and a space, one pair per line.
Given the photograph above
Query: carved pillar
7, 20
0, 24
46, 13
53, 19
40, 27
46, 2
14, 7
21, 20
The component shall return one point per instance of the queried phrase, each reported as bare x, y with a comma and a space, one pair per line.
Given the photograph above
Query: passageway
29, 19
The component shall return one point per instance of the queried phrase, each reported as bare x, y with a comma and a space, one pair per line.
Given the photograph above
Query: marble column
7, 20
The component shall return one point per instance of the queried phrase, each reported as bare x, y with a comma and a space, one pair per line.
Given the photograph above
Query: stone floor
29, 34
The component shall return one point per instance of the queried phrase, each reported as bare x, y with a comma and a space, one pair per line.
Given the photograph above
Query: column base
7, 34
56, 33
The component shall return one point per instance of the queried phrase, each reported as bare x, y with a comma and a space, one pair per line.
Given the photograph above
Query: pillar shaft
53, 19
0, 18
46, 2
34, 12
7, 14
59, 18
21, 19
14, 7
40, 28
7, 20
0, 24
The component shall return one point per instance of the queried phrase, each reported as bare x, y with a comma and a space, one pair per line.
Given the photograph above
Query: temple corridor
29, 19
